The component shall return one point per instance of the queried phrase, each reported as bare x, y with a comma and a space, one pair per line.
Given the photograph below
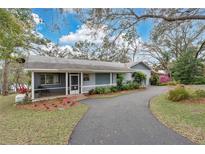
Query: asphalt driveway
124, 120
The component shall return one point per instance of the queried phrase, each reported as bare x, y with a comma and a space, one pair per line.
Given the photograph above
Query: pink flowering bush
164, 78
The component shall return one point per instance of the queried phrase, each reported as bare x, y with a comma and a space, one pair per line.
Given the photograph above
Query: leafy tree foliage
187, 69
168, 42
16, 36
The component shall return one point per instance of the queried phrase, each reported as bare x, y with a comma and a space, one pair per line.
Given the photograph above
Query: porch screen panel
49, 84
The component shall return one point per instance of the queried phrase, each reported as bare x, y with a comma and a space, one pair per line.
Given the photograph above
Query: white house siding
127, 77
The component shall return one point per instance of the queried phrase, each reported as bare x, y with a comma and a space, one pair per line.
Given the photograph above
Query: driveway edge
69, 138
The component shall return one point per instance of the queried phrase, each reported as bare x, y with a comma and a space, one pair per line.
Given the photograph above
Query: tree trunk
5, 78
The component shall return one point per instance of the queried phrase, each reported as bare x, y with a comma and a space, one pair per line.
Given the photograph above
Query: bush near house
113, 89
154, 80
139, 77
120, 79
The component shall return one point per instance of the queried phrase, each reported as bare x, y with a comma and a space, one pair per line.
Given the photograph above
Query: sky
73, 30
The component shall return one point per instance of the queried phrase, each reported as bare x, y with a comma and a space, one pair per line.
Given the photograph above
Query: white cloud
84, 33
37, 19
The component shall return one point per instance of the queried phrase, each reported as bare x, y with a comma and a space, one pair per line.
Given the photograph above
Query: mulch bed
50, 105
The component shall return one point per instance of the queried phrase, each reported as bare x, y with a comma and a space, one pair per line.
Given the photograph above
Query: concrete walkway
124, 120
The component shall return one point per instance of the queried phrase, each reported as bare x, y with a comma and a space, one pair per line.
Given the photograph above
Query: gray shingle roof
37, 63
130, 65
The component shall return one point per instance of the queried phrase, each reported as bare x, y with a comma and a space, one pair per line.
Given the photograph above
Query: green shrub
199, 93
114, 89
125, 87
178, 94
139, 77
100, 90
154, 80
131, 86
187, 69
120, 79
107, 90
199, 80
91, 92
136, 85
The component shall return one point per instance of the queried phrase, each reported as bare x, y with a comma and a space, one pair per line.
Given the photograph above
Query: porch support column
32, 86
110, 78
66, 83
81, 82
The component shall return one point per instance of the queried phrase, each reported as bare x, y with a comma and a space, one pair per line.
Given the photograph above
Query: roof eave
77, 70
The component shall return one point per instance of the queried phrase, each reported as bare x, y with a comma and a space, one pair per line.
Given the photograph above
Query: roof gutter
79, 70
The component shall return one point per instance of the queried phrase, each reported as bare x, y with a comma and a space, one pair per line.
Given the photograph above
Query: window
86, 77
50, 78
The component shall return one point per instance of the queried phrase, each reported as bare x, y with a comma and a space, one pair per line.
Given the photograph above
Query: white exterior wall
127, 77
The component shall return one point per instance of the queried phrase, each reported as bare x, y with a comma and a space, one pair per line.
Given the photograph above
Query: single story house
59, 76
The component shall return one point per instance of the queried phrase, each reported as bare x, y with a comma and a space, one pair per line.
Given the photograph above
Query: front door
74, 83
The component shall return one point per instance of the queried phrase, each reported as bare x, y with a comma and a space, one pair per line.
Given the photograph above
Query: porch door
74, 83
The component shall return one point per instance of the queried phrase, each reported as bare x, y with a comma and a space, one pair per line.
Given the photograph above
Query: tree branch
200, 49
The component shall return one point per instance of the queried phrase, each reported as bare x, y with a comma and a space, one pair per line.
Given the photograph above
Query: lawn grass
186, 119
20, 126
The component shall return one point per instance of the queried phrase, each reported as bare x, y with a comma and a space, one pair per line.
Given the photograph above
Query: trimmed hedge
112, 89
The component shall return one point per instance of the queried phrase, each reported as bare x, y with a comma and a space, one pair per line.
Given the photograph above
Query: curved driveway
124, 120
